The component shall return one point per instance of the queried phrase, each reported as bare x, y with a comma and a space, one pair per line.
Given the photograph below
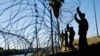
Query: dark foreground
94, 50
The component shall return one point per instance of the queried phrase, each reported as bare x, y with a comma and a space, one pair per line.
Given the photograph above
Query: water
23, 54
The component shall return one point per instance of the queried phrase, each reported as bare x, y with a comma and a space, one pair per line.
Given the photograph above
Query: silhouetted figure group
70, 36
82, 32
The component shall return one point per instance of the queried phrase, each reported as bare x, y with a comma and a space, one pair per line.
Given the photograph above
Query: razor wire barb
18, 19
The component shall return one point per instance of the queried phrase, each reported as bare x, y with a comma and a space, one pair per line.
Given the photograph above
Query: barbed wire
18, 22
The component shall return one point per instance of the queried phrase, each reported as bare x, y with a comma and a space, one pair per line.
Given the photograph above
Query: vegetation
90, 40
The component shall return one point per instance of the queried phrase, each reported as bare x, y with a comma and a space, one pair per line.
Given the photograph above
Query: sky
86, 6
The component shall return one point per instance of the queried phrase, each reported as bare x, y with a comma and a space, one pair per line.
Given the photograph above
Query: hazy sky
86, 6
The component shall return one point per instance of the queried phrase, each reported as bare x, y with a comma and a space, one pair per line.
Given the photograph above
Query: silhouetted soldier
62, 37
66, 40
83, 28
71, 37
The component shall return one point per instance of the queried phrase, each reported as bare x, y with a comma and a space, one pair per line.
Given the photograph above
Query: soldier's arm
79, 12
76, 19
